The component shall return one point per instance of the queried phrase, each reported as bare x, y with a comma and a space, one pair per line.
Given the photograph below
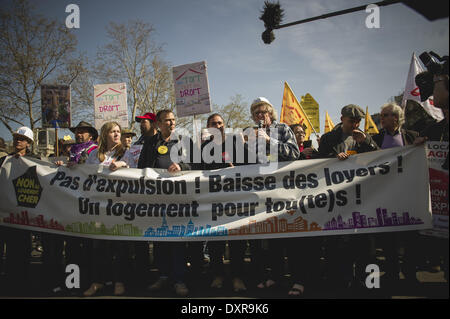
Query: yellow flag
292, 112
369, 125
311, 108
328, 123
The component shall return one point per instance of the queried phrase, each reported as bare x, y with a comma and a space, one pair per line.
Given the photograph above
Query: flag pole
306, 115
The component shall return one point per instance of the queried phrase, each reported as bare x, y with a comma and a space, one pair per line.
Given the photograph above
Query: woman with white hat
18, 241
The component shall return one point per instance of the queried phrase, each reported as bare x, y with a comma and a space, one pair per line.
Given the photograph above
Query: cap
25, 132
84, 124
353, 111
128, 131
261, 100
146, 116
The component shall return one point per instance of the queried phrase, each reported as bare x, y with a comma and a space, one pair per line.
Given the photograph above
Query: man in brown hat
148, 127
85, 138
346, 138
85, 142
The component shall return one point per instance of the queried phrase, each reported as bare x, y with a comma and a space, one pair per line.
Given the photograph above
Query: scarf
76, 151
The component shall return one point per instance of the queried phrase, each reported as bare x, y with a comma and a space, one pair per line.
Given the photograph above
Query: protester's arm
325, 148
366, 144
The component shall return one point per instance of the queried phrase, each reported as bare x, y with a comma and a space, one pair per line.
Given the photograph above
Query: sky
338, 60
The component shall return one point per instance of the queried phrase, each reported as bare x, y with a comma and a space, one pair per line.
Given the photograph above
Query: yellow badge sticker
162, 149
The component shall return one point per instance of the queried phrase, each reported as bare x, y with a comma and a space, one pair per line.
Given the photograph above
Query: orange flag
293, 113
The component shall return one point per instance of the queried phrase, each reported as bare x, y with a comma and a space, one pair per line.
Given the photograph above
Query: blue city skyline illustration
189, 230
382, 220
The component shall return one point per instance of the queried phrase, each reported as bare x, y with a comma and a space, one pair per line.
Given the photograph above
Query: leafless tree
33, 49
132, 56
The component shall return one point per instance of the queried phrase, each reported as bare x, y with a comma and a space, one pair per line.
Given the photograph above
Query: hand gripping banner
382, 191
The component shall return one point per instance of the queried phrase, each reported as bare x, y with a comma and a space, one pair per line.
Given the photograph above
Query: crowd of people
346, 256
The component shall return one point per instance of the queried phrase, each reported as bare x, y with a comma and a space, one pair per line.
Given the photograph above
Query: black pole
337, 13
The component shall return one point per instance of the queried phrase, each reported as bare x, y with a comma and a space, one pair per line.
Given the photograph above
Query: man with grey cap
346, 138
345, 251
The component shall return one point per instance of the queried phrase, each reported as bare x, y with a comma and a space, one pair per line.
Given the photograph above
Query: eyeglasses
300, 133
216, 123
261, 112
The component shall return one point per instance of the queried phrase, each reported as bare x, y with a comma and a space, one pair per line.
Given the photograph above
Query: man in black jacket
216, 155
346, 138
343, 141
156, 153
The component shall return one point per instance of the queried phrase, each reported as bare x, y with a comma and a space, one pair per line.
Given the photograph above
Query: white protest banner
191, 89
380, 191
437, 152
110, 102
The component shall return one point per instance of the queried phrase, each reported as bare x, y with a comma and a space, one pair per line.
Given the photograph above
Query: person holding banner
346, 138
344, 251
127, 137
112, 153
269, 253
438, 248
170, 257
393, 134
306, 151
216, 249
281, 138
148, 127
18, 241
86, 141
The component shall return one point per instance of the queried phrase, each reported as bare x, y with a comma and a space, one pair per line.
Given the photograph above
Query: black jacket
408, 137
437, 132
331, 144
149, 153
226, 158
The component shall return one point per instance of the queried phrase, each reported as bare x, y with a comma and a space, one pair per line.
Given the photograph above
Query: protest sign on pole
191, 89
297, 199
56, 106
110, 104
412, 91
311, 108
